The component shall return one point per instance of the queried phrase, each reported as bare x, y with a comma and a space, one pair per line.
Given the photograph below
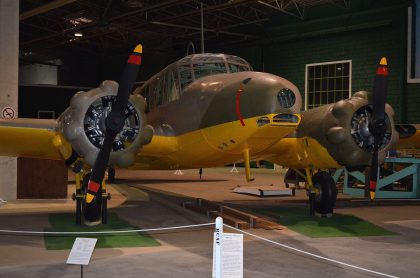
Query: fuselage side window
171, 90
185, 75
156, 91
237, 68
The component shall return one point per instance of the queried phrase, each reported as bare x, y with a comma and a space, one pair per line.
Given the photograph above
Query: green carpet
66, 223
339, 225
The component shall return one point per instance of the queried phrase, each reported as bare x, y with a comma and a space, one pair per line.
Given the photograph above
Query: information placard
232, 255
82, 251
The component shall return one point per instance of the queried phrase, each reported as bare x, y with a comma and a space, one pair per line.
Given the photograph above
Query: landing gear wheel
91, 211
327, 193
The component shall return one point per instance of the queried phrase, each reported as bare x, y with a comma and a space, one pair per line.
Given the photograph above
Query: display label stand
81, 252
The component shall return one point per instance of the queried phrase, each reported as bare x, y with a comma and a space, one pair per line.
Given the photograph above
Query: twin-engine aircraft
205, 110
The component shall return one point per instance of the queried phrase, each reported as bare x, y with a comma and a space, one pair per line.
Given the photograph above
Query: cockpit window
169, 84
204, 69
237, 68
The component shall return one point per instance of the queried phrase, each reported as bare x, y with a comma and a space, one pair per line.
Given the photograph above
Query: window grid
327, 83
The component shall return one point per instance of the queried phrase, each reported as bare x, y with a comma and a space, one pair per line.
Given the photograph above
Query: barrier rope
312, 254
103, 232
201, 225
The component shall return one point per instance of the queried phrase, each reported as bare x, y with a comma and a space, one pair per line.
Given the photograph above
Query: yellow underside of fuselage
225, 143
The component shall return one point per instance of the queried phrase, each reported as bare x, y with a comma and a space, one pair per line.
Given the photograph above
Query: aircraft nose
248, 94
264, 93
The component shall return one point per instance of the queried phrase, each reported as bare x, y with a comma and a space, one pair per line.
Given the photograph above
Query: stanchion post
219, 232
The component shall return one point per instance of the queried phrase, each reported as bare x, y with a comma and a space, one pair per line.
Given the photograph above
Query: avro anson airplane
205, 110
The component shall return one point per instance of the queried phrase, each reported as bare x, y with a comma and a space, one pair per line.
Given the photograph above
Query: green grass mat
339, 225
66, 223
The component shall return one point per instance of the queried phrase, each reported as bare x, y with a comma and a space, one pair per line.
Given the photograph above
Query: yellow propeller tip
383, 62
89, 198
138, 49
372, 195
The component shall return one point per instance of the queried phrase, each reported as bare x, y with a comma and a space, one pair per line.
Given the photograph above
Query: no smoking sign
8, 112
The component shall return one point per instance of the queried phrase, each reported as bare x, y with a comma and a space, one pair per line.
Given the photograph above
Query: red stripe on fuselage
134, 59
93, 186
238, 107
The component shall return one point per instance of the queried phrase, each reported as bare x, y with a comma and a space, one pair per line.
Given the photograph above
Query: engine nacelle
83, 125
343, 129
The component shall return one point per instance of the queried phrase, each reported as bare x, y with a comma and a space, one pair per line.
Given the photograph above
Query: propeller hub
99, 119
115, 122
378, 128
364, 129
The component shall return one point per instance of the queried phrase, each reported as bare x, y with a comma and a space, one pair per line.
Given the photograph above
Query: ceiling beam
205, 29
281, 8
45, 8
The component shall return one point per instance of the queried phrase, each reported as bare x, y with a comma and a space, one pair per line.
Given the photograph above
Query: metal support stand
81, 271
411, 172
104, 210
78, 198
234, 170
178, 172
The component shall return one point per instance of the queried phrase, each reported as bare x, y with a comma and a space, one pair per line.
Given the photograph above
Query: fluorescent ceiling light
78, 34
80, 21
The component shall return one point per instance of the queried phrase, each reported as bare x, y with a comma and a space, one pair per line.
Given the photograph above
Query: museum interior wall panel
363, 36
9, 55
41, 179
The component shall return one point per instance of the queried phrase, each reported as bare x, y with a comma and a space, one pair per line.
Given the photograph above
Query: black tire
91, 211
325, 200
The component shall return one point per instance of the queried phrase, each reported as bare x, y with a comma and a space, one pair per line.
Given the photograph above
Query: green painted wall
363, 34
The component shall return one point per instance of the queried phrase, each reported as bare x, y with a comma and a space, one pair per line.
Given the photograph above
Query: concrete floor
151, 200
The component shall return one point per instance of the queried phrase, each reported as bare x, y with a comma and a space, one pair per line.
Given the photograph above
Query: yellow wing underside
202, 148
29, 138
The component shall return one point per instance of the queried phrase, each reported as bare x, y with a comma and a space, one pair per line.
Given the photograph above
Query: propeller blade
115, 121
378, 125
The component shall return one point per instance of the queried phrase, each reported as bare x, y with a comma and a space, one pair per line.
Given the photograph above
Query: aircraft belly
213, 146
233, 137
300, 153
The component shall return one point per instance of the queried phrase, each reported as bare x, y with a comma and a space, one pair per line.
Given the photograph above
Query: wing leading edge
35, 138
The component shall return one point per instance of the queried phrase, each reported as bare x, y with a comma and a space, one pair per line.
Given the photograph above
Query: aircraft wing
37, 138
409, 136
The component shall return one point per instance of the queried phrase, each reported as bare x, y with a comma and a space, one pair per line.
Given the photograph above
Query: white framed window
327, 82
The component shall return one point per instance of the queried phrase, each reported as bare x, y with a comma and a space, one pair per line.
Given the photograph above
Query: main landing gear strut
322, 192
97, 209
